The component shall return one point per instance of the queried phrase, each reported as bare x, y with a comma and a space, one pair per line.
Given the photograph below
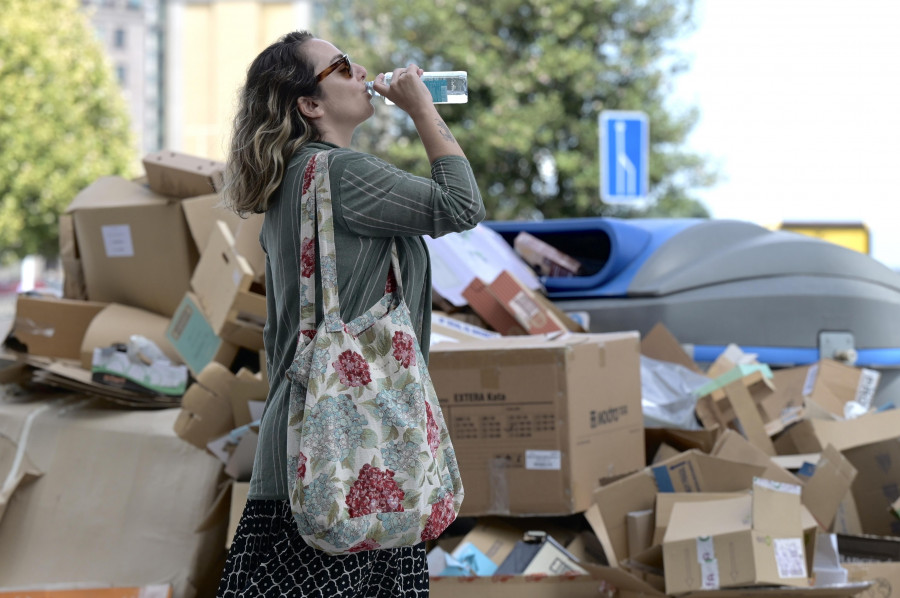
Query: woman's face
344, 99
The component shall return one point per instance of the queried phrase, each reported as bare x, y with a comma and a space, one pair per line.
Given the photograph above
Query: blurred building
180, 62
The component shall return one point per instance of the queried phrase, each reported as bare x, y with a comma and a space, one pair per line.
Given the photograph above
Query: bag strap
318, 221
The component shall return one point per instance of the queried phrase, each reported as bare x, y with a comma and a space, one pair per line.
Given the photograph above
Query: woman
302, 96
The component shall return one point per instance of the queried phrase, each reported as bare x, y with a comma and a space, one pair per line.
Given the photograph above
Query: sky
800, 111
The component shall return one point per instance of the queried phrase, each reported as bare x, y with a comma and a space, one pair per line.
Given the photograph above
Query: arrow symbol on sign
626, 174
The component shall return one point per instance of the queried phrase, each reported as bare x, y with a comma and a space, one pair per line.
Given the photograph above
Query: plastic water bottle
446, 87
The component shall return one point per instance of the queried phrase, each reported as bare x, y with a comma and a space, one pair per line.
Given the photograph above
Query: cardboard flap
693, 471
661, 344
692, 519
776, 508
734, 447
114, 192
824, 491
202, 212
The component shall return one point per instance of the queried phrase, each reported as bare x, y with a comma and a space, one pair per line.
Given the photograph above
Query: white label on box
548, 460
789, 557
865, 390
117, 240
709, 565
777, 486
811, 375
527, 312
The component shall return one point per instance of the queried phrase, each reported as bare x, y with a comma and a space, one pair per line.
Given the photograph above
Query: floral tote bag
370, 462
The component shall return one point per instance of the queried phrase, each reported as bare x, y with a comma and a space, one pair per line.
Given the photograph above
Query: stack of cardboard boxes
567, 492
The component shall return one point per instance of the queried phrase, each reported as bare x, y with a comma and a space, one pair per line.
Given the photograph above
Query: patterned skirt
269, 558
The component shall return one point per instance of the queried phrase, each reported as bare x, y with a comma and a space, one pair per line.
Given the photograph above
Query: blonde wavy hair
268, 126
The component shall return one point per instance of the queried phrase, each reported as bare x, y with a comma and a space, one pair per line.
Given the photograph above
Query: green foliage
63, 121
540, 72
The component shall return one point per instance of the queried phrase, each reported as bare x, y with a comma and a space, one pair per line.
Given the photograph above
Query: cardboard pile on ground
158, 276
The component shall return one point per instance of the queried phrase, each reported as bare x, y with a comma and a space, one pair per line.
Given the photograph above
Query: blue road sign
624, 156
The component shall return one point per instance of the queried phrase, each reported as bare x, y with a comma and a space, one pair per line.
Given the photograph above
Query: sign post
624, 156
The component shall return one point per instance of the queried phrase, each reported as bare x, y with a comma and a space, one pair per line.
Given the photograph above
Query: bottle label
438, 89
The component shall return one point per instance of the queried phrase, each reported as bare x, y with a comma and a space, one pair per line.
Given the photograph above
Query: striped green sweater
373, 203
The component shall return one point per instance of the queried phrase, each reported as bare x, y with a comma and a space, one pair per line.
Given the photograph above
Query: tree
63, 120
540, 72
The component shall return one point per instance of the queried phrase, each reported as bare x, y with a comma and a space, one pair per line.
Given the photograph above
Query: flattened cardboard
884, 577
119, 500
52, 327
182, 175
88, 591
537, 422
134, 245
193, 337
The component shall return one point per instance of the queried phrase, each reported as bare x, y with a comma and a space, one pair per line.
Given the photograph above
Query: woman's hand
407, 90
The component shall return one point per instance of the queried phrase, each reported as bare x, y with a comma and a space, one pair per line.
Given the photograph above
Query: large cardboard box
745, 541
134, 245
107, 496
50, 326
537, 422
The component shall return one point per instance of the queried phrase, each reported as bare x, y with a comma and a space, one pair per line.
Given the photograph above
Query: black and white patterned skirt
269, 558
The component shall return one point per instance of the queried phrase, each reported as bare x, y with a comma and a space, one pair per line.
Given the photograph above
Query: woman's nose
361, 70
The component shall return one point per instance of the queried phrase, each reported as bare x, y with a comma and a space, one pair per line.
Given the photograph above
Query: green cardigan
373, 203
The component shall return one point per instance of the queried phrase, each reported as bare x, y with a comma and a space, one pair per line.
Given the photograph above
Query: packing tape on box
499, 486
709, 565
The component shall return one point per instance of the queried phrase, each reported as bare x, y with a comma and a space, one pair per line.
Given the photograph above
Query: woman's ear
309, 107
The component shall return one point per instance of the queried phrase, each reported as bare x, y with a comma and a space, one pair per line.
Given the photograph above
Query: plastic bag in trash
667, 394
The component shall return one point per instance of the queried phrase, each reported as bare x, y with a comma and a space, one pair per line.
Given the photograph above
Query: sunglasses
342, 63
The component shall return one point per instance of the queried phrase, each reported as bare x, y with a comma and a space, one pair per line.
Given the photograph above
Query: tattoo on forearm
445, 131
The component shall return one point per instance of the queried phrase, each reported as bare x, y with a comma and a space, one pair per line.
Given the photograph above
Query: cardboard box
134, 245
246, 242
182, 175
117, 498
194, 339
884, 577
524, 305
546, 259
223, 281
490, 309
745, 541
691, 471
537, 422
50, 326
445, 328
74, 286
